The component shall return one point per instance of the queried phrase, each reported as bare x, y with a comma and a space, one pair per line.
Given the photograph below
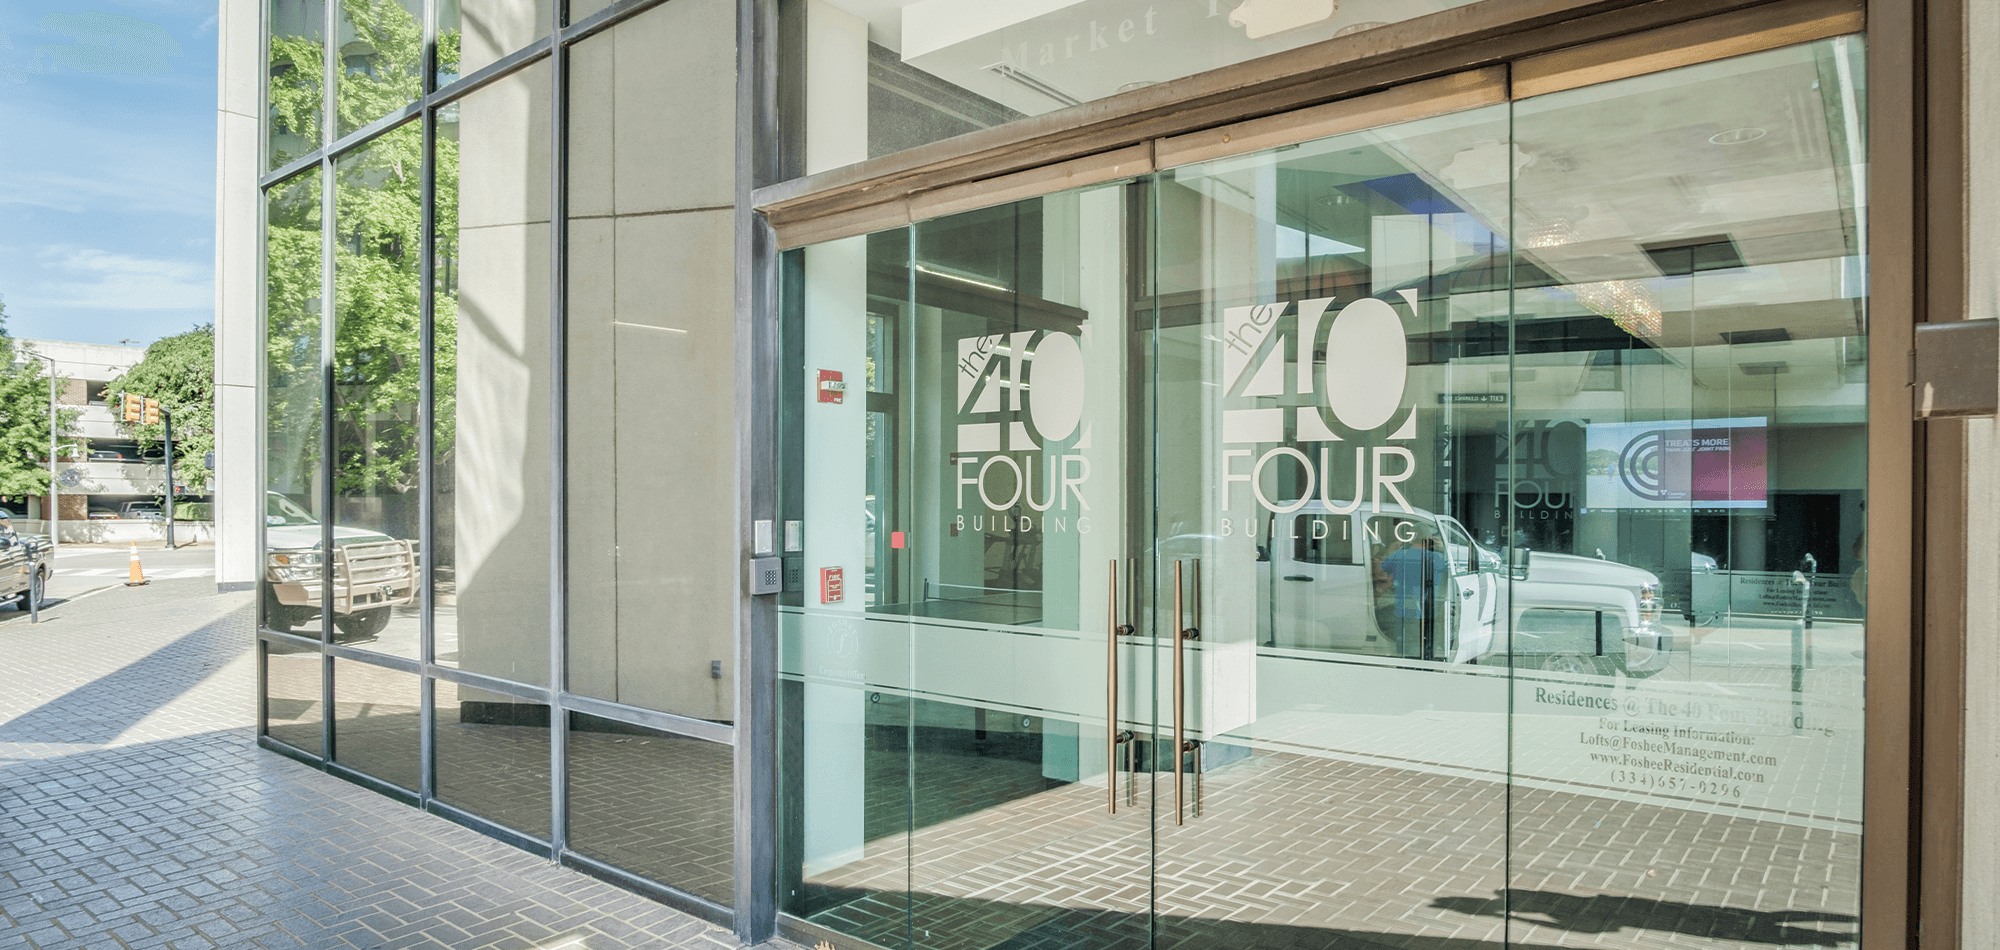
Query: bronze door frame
1913, 804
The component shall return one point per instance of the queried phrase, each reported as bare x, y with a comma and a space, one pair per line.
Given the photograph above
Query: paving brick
137, 813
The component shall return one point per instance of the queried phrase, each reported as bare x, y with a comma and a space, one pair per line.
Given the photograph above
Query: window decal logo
1020, 425
1297, 373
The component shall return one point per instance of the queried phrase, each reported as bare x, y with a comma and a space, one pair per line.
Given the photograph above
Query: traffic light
134, 406
152, 412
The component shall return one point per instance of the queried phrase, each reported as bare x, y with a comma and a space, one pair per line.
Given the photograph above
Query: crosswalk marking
168, 574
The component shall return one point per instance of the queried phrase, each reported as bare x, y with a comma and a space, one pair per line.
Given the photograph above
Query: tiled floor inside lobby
1307, 852
136, 813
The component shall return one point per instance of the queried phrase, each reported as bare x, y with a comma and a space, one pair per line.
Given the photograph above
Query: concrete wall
494, 475
79, 362
239, 337
652, 347
1982, 464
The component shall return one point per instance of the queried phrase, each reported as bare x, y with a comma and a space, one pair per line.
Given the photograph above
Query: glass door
1507, 489
1446, 534
970, 723
1332, 324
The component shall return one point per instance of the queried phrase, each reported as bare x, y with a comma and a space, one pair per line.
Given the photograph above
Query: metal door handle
1297, 577
1183, 632
1112, 734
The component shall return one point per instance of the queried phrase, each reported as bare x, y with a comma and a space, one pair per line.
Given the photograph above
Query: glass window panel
652, 344
293, 706
493, 755
1689, 412
658, 805
375, 722
472, 34
998, 482
580, 9
1313, 324
376, 366
379, 64
492, 380
844, 675
888, 75
296, 54
293, 573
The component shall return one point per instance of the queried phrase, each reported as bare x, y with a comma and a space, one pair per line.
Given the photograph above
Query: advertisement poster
1704, 463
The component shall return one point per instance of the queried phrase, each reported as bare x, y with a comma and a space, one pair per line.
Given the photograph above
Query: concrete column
238, 335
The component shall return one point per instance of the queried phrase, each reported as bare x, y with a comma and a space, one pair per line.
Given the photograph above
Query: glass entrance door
1322, 310
1440, 535
967, 730
1507, 523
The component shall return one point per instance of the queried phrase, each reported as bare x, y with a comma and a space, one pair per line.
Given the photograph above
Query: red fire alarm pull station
831, 389
829, 585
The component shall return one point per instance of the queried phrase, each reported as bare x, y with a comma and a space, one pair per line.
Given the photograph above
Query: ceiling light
961, 279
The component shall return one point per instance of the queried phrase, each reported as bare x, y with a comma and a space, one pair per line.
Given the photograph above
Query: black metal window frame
560, 701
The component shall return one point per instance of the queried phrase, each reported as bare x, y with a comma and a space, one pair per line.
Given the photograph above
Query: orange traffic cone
137, 577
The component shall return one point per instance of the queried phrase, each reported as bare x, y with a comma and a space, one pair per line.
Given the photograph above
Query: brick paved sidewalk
136, 812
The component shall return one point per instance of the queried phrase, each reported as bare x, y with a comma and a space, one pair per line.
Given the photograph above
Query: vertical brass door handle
1182, 633
1113, 736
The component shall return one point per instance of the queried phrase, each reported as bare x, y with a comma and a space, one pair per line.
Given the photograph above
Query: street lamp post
55, 489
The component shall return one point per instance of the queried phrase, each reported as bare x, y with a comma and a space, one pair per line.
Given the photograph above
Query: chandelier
1626, 303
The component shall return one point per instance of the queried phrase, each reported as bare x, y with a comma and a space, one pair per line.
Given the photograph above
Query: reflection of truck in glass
372, 573
1421, 588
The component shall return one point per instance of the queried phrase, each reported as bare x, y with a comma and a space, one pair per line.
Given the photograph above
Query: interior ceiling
1077, 52
1739, 151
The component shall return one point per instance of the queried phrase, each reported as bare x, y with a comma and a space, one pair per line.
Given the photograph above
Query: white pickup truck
1410, 583
371, 572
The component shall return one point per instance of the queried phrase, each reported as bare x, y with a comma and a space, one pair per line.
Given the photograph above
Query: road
83, 569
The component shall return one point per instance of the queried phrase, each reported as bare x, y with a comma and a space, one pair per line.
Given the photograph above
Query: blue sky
107, 172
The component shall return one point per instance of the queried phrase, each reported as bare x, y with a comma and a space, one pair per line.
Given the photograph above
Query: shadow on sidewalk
105, 708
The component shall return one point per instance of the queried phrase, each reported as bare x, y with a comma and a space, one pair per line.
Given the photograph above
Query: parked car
107, 455
103, 514
142, 510
372, 573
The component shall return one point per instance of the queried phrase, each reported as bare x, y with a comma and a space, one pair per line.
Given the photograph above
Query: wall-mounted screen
1702, 463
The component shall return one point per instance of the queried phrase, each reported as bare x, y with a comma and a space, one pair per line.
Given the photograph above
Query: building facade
100, 468
1315, 473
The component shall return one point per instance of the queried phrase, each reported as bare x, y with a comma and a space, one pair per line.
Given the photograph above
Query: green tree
24, 418
292, 336
377, 247
179, 371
